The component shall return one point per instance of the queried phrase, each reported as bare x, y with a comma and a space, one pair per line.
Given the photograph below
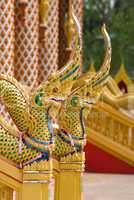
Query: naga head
84, 91
89, 86
59, 83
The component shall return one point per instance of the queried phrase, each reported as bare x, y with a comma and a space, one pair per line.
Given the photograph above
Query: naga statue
49, 119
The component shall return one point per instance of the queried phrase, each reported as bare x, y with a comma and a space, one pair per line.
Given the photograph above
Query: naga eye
38, 99
74, 101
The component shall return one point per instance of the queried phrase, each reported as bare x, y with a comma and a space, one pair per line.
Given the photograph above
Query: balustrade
6, 193
114, 127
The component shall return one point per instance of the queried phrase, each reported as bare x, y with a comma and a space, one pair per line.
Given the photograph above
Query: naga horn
98, 78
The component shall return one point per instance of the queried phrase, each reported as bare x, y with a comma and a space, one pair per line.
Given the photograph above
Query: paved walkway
108, 187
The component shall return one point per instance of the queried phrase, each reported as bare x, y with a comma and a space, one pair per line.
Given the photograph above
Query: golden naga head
67, 82
89, 86
59, 84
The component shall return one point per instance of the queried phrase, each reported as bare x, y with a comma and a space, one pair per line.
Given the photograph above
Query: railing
6, 193
111, 125
10, 181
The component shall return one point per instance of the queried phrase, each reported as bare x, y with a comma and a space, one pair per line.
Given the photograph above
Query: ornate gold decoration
44, 4
69, 27
59, 102
38, 172
50, 120
115, 135
49, 42
123, 76
77, 157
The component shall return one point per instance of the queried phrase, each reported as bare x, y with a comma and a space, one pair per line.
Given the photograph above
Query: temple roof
122, 74
122, 71
127, 70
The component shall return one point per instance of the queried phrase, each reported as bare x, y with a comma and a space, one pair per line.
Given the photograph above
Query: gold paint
44, 5
69, 28
123, 76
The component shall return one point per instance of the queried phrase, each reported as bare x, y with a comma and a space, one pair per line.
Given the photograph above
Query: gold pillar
68, 178
6, 193
36, 181
18, 194
35, 191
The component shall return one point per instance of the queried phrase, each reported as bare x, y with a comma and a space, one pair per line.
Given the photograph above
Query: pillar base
68, 178
6, 193
36, 181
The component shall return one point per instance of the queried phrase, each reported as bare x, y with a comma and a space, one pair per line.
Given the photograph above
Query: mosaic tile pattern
26, 42
6, 42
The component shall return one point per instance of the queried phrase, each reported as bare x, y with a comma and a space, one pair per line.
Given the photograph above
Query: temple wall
7, 36
30, 50
26, 42
6, 41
